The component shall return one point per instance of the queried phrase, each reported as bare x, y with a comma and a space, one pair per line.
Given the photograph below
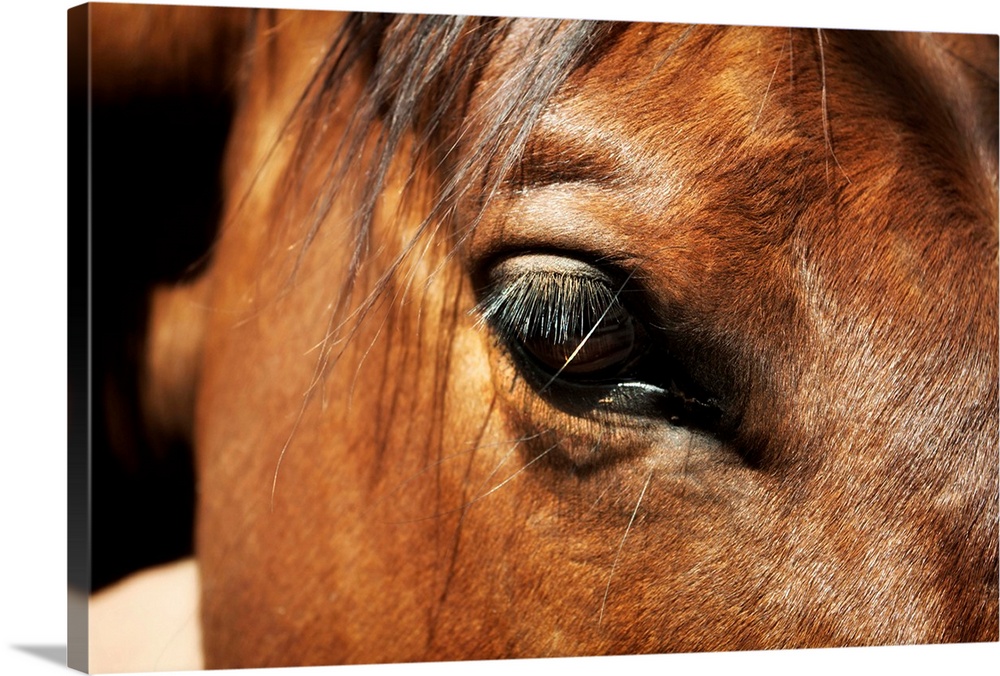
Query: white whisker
607, 588
464, 506
826, 112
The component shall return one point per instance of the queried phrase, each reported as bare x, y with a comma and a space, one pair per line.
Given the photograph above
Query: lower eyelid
622, 402
645, 388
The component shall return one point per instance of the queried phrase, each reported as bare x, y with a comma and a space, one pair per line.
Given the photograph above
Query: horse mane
419, 73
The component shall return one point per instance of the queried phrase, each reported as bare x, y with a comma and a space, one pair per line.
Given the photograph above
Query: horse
528, 337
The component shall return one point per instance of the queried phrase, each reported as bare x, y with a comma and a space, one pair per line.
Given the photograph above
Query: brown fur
813, 219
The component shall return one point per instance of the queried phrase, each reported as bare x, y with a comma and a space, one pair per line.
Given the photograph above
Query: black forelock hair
419, 73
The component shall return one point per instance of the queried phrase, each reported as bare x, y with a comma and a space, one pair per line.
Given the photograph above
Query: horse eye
567, 326
604, 349
562, 314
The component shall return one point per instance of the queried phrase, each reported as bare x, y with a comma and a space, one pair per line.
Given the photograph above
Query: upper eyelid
547, 303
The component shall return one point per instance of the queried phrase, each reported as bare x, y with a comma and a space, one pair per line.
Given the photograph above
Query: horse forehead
683, 118
660, 87
750, 127
661, 152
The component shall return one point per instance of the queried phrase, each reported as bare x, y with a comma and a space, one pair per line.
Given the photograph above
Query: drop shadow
50, 653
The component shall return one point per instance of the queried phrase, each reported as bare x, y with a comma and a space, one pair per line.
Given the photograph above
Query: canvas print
429, 338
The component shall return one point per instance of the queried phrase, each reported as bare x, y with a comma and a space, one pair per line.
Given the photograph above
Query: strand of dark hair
419, 74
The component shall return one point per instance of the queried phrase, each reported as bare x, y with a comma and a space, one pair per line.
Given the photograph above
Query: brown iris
561, 313
601, 350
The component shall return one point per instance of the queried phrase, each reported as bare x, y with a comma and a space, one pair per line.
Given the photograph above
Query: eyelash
559, 310
549, 305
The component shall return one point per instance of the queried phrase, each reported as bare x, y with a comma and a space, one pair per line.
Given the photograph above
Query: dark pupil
602, 351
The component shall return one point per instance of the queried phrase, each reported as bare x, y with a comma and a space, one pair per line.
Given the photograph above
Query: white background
33, 370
